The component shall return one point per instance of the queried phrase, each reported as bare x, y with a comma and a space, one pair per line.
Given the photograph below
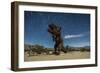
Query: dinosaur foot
56, 53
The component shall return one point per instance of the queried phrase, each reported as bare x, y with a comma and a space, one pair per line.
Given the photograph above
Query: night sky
75, 28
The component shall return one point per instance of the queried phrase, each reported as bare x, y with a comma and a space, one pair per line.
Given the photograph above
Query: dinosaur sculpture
55, 31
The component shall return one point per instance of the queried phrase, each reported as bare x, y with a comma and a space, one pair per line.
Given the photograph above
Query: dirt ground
62, 56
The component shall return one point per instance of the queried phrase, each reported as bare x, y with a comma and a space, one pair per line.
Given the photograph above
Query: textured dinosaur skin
55, 31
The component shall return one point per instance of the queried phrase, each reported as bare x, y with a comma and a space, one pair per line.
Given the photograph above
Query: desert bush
84, 49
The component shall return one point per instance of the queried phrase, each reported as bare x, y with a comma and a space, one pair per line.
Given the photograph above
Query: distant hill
87, 47
36, 46
68, 48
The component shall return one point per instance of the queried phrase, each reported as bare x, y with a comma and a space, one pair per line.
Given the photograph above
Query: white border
23, 64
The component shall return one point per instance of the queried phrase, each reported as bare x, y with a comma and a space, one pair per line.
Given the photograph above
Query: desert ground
62, 56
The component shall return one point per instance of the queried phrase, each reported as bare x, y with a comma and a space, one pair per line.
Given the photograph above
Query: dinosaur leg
56, 51
63, 49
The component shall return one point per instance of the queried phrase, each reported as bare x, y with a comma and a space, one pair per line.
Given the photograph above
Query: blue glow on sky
75, 28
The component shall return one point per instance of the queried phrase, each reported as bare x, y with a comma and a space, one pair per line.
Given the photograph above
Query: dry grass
62, 56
